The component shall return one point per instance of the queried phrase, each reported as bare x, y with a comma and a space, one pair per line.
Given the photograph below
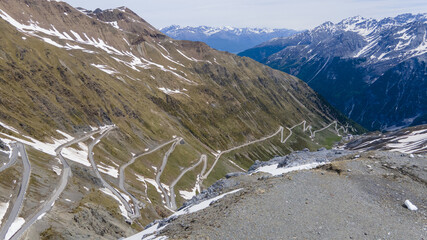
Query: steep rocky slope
373, 71
122, 124
228, 39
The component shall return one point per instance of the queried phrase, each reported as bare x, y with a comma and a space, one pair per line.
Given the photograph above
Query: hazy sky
296, 14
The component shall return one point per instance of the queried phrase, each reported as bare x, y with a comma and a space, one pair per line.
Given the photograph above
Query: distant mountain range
373, 71
228, 39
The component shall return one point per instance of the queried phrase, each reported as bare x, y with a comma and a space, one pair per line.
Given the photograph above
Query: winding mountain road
18, 147
66, 174
122, 175
283, 141
203, 158
162, 168
131, 213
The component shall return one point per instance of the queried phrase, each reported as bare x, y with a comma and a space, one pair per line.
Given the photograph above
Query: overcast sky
295, 14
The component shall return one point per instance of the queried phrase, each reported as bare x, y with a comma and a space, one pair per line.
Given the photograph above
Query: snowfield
275, 171
16, 225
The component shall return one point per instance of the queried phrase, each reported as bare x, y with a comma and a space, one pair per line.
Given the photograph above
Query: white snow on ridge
140, 62
411, 143
114, 24
422, 48
16, 225
105, 68
170, 91
191, 59
275, 171
364, 50
33, 27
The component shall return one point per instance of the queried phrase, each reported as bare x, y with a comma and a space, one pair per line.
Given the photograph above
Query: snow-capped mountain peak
227, 38
356, 55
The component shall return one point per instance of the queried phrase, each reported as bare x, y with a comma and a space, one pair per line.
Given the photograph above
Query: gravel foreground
356, 196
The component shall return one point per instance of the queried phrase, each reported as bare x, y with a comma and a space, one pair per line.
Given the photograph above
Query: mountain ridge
351, 63
229, 39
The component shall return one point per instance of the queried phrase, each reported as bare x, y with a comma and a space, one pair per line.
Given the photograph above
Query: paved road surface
130, 211
18, 147
122, 176
162, 168
66, 173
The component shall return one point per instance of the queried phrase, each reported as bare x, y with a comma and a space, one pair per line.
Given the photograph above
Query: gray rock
234, 174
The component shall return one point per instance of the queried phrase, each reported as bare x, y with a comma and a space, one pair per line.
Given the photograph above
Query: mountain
107, 124
230, 39
373, 71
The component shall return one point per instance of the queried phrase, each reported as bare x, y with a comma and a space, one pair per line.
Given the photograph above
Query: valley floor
353, 197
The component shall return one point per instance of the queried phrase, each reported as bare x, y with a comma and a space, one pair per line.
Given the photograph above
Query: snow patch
411, 143
147, 234
16, 225
202, 205
57, 170
188, 195
150, 233
41, 216
107, 69
121, 206
109, 170
48, 148
9, 127
114, 24
275, 171
170, 91
78, 156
